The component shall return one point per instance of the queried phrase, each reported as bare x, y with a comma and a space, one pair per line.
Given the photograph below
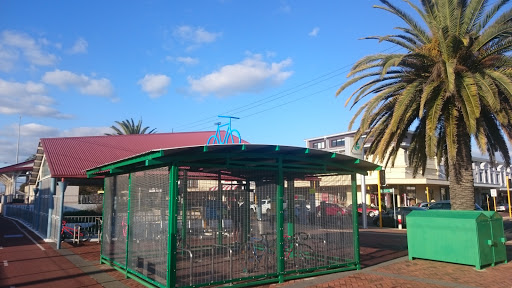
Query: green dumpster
463, 237
498, 238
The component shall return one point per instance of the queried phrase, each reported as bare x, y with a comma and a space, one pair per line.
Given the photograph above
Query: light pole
363, 196
18, 144
15, 178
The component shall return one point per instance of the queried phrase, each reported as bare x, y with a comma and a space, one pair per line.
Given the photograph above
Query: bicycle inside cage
250, 220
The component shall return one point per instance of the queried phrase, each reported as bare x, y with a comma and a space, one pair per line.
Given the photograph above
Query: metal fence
246, 231
38, 221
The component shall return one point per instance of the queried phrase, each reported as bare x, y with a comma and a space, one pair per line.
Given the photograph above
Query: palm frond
489, 15
408, 19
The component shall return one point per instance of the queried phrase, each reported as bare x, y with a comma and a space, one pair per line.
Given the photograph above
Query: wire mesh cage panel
148, 224
45, 204
215, 223
115, 221
321, 235
213, 219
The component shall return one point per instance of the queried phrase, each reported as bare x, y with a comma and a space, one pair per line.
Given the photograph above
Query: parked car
502, 207
266, 206
370, 211
446, 205
331, 209
389, 220
423, 205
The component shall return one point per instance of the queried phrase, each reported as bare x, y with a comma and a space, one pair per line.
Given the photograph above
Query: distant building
410, 190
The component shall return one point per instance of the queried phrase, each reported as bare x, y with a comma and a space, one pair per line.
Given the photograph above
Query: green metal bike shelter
239, 214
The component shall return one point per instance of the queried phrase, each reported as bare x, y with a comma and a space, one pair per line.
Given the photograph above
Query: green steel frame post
219, 216
246, 230
355, 220
280, 221
291, 208
103, 215
128, 224
184, 195
172, 221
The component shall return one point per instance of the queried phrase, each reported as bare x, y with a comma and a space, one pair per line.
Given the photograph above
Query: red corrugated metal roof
69, 157
20, 167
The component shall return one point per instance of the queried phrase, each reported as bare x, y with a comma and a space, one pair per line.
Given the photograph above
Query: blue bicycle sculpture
217, 137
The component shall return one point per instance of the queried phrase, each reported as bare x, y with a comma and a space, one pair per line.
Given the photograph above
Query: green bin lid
492, 214
450, 214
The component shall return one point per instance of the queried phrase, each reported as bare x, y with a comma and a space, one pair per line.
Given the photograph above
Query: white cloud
38, 130
28, 47
85, 131
314, 32
187, 60
31, 133
27, 99
251, 75
155, 85
80, 47
194, 36
86, 85
29, 138
8, 56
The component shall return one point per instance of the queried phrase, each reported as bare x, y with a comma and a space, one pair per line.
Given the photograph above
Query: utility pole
15, 178
18, 144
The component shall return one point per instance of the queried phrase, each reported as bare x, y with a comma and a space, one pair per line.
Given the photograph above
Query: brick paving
91, 252
382, 268
383, 259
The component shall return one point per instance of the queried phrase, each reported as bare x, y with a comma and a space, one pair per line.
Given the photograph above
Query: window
319, 145
337, 142
193, 183
45, 170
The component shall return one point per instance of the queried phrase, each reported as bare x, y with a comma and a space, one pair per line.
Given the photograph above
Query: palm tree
128, 127
452, 84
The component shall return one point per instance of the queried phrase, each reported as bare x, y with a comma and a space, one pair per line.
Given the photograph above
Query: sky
72, 68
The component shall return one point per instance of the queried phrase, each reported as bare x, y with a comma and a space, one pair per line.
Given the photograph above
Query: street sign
494, 193
387, 190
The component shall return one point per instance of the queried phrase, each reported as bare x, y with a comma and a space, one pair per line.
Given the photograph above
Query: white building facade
409, 190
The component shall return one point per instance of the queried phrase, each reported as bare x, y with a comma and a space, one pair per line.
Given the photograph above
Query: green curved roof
295, 161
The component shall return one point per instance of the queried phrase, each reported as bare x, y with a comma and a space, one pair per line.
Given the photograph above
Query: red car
370, 211
331, 209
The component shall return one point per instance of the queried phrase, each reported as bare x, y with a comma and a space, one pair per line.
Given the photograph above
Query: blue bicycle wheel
232, 139
215, 140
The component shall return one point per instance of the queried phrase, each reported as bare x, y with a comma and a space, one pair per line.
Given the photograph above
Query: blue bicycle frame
217, 137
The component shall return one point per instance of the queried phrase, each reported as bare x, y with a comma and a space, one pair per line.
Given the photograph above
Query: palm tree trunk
462, 192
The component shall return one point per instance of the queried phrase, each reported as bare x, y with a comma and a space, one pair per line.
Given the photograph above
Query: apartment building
409, 190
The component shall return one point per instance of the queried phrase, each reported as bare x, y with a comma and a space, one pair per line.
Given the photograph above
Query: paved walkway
26, 261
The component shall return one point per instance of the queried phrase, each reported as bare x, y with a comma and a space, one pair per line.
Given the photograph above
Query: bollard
399, 221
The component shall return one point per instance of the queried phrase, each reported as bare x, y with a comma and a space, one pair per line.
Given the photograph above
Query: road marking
13, 236
41, 247
1, 247
5, 263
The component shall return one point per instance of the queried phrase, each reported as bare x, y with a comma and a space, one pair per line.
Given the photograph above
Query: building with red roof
9, 174
61, 163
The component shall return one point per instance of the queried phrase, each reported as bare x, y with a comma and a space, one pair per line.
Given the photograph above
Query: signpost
391, 190
494, 193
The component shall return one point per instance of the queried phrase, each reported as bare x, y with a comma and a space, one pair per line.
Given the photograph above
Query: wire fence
38, 221
226, 229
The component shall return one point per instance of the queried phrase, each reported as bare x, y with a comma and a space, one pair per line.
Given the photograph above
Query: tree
128, 127
452, 84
